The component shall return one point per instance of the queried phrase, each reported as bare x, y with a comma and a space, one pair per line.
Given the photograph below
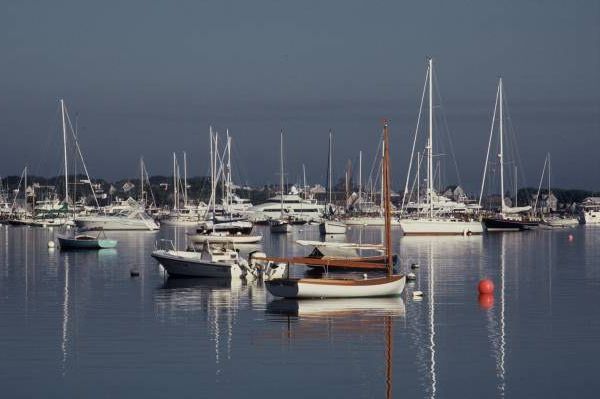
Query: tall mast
64, 129
185, 194
516, 187
281, 170
212, 172
142, 181
418, 182
175, 202
501, 155
304, 181
548, 201
386, 187
25, 187
329, 177
229, 190
360, 177
430, 141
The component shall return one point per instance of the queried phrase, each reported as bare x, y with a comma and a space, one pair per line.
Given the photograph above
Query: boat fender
365, 276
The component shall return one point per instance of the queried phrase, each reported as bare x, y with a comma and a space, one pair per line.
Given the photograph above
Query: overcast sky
149, 77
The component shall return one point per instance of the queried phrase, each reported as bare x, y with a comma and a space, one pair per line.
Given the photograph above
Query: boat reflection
354, 308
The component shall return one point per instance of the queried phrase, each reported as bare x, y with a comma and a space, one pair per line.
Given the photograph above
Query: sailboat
229, 229
389, 285
331, 225
552, 221
188, 215
281, 225
433, 223
508, 218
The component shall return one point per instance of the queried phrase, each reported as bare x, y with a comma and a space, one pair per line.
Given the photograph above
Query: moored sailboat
388, 285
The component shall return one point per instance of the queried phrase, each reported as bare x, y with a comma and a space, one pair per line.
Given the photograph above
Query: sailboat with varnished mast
389, 285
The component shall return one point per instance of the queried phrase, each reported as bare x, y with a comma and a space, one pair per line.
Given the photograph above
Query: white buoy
51, 244
417, 294
365, 276
411, 277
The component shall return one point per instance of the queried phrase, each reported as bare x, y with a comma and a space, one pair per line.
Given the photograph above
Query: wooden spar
386, 187
301, 260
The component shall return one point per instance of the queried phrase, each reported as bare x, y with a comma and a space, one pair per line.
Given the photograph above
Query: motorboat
136, 219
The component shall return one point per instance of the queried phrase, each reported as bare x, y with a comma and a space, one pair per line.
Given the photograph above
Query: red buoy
570, 237
486, 286
486, 301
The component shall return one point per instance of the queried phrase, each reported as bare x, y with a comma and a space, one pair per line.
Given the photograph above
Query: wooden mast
387, 202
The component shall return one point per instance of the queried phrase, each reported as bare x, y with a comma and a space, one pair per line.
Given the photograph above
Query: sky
149, 78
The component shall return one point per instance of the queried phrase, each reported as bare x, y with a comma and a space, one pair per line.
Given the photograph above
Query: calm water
75, 324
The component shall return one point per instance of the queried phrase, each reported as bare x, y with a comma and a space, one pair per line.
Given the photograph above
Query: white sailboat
553, 221
330, 224
508, 218
434, 223
281, 225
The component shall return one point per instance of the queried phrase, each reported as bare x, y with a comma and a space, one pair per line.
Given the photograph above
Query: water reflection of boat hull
343, 307
336, 288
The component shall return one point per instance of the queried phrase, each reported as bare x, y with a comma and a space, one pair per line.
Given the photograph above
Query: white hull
218, 238
369, 221
322, 288
179, 222
558, 222
440, 227
190, 264
332, 227
114, 223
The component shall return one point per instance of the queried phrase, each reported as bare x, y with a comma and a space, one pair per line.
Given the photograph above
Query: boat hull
369, 221
280, 228
334, 288
440, 227
332, 227
72, 243
492, 224
219, 238
114, 223
187, 266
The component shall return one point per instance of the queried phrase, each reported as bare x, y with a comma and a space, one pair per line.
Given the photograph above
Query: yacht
293, 205
136, 219
590, 211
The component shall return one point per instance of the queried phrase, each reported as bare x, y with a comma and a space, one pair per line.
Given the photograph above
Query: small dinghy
85, 241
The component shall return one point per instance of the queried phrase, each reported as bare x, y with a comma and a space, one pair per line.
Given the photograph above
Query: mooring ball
486, 286
51, 244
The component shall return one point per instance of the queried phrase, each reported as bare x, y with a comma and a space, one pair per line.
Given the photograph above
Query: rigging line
447, 129
487, 156
512, 136
540, 186
415, 139
76, 140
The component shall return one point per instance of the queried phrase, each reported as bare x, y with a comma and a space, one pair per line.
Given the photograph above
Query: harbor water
77, 324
